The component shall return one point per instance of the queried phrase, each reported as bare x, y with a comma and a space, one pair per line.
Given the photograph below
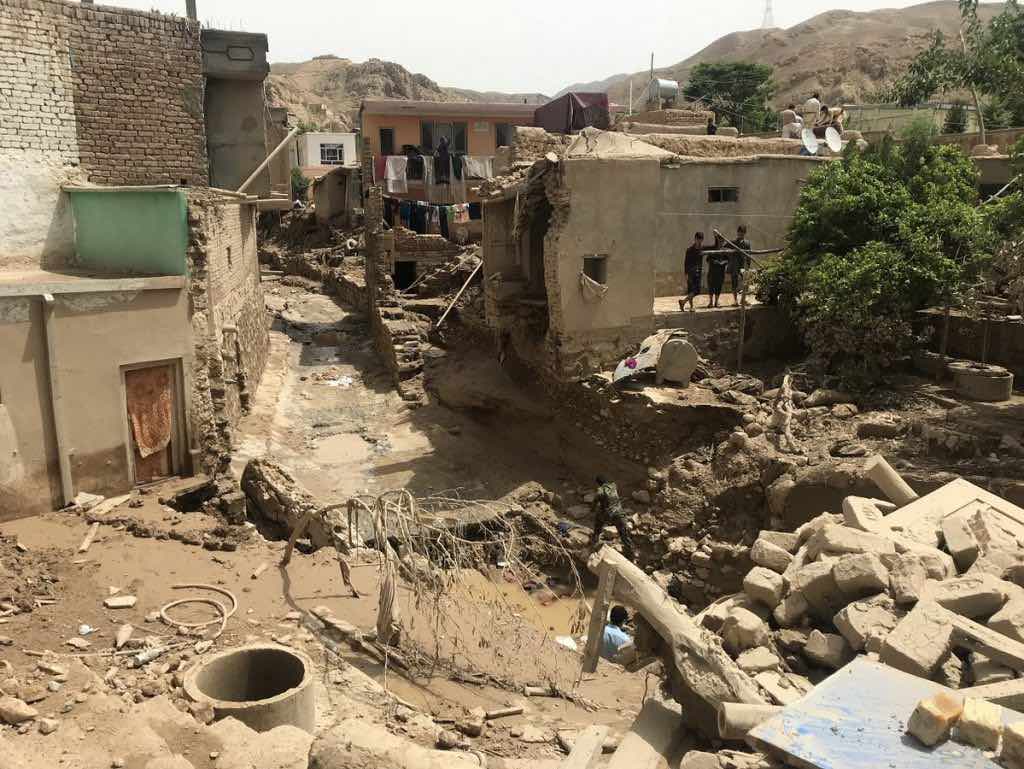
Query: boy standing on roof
738, 261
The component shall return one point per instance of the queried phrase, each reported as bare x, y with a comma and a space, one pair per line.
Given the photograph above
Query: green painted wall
131, 232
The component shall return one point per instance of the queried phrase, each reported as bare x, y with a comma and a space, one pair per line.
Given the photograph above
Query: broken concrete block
861, 620
980, 724
827, 649
839, 539
880, 426
759, 660
791, 610
920, 642
971, 596
743, 630
14, 711
784, 688
787, 540
120, 602
48, 725
860, 574
861, 513
770, 556
818, 586
952, 673
907, 578
764, 585
1012, 752
960, 541
813, 526
985, 671
1009, 620
934, 717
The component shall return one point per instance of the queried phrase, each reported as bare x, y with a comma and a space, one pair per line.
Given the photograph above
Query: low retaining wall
1005, 339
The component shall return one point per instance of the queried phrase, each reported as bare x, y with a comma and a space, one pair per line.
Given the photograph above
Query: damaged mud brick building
123, 273
618, 211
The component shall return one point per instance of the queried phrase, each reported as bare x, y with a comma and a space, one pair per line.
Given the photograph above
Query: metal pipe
464, 287
266, 162
67, 486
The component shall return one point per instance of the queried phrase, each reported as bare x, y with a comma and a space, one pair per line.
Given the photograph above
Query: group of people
723, 257
818, 116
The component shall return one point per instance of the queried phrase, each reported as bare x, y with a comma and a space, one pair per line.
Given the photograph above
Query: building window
503, 134
431, 132
595, 267
723, 194
332, 154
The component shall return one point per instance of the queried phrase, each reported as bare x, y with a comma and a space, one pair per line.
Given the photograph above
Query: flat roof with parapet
446, 108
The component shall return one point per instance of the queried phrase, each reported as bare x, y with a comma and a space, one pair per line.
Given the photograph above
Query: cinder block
960, 541
920, 642
980, 724
860, 574
934, 718
861, 620
907, 578
971, 596
839, 539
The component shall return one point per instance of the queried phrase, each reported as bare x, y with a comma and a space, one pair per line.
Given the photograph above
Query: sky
524, 46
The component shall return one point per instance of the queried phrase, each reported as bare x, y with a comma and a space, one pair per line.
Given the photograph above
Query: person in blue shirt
615, 637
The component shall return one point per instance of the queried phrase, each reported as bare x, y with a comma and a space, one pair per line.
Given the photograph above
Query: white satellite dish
833, 139
810, 141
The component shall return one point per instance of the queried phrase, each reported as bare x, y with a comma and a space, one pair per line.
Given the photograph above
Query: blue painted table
857, 719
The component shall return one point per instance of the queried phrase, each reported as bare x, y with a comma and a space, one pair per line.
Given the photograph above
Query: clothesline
423, 216
440, 171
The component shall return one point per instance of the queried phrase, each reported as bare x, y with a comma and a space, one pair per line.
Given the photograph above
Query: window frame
338, 147
718, 195
600, 263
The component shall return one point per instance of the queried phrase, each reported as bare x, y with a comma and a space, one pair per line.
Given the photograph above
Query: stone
984, 671
840, 539
881, 426
791, 610
48, 725
764, 553
860, 574
862, 513
792, 641
754, 661
13, 711
819, 588
827, 649
51, 668
826, 397
960, 541
743, 630
1012, 753
202, 712
5, 641
1009, 620
970, 596
643, 496
907, 578
784, 688
844, 411
934, 717
778, 494
787, 540
815, 525
862, 620
474, 725
764, 585
920, 642
120, 602
78, 643
952, 673
980, 724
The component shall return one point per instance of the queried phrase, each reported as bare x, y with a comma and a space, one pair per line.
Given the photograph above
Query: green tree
956, 119
737, 91
299, 184
876, 236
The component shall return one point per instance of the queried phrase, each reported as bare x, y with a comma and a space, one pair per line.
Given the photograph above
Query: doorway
153, 426
387, 141
405, 275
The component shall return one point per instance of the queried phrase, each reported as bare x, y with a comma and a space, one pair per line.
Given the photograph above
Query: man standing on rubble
739, 262
608, 510
693, 269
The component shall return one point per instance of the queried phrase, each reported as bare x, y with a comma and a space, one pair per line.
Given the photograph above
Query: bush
299, 184
956, 119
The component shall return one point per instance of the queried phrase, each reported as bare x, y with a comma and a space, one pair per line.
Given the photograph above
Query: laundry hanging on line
395, 173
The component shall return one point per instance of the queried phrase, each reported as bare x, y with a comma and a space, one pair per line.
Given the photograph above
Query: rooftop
37, 282
443, 108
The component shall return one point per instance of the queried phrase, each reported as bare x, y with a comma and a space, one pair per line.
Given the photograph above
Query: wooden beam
598, 614
587, 749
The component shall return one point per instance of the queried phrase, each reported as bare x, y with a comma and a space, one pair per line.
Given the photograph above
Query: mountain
326, 91
843, 55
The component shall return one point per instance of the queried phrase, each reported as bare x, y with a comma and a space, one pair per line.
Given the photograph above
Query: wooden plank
1009, 694
598, 615
856, 719
89, 537
107, 505
587, 749
651, 738
968, 634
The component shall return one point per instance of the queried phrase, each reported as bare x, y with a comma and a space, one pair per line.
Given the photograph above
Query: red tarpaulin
573, 112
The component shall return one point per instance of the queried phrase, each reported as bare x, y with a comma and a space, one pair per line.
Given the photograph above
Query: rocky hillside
842, 54
326, 91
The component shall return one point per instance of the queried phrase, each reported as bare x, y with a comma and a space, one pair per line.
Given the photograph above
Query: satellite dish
810, 141
833, 139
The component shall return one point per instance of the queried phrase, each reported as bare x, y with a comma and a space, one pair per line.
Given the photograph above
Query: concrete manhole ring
262, 685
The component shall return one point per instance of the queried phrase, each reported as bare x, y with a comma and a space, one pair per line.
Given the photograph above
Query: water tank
664, 89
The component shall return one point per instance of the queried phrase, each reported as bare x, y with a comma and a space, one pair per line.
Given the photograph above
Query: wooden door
149, 394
